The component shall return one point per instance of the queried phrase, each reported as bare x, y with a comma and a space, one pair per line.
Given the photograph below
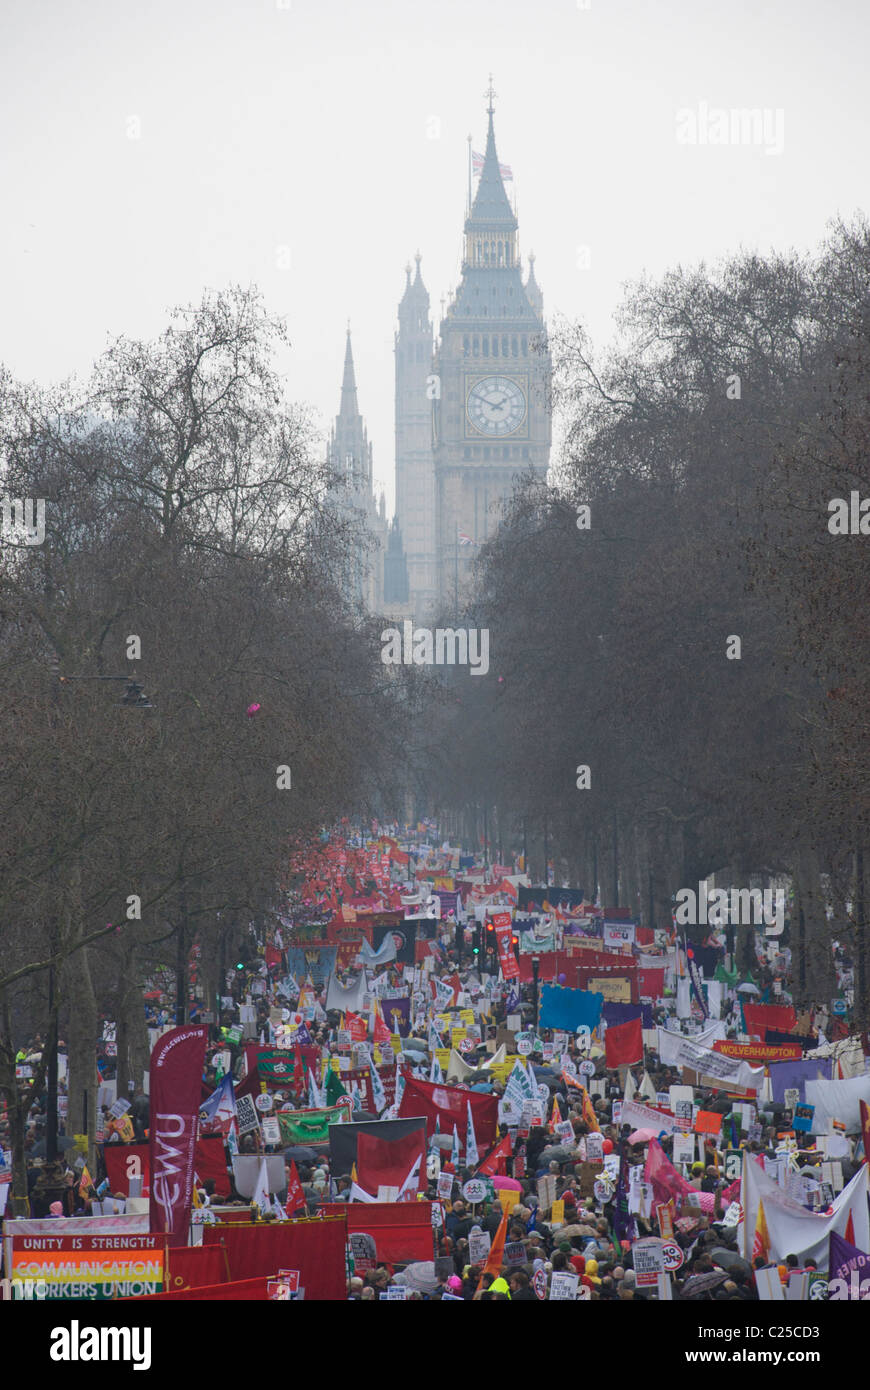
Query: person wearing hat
499, 1289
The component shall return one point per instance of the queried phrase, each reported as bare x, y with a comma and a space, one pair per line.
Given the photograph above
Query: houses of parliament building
471, 413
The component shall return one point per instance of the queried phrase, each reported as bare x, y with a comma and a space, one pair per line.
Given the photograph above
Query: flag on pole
295, 1196
472, 1158
496, 1250
435, 1072
761, 1241
261, 1195
379, 1095
454, 1152
315, 1099
409, 1188
494, 1161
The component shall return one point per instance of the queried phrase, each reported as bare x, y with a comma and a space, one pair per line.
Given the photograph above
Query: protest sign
564, 1286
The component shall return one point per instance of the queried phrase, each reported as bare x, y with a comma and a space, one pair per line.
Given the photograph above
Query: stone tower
415, 470
350, 457
491, 416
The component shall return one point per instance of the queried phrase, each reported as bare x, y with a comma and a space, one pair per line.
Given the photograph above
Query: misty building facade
471, 415
349, 455
491, 416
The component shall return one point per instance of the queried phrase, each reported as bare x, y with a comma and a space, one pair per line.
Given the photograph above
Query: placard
595, 1148
648, 1260
683, 1110
271, 1130
246, 1115
479, 1243
564, 1286
514, 1253
445, 1186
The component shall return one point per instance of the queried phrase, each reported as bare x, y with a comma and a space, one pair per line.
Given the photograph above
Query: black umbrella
301, 1151
702, 1283
38, 1150
557, 1152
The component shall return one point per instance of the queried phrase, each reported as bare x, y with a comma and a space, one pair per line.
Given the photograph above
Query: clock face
496, 405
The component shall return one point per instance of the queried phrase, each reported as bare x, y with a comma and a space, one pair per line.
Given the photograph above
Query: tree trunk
82, 1033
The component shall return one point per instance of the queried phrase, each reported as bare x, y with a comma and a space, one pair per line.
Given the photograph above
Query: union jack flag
464, 539
477, 162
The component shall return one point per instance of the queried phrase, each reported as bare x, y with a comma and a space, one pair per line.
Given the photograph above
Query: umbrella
506, 1184
38, 1150
748, 989
420, 1276
557, 1152
642, 1136
302, 1152
482, 1087
730, 1260
701, 1283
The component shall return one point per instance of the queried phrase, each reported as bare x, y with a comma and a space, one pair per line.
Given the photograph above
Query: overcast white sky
308, 124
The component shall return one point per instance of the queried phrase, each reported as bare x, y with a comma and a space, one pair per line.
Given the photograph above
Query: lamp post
536, 965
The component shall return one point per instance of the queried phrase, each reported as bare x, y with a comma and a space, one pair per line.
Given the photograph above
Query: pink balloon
252, 710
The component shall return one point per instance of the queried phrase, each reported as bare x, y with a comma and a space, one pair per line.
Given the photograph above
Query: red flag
623, 1043
381, 1031
449, 1106
760, 1017
494, 1161
387, 1162
295, 1196
496, 1252
176, 1088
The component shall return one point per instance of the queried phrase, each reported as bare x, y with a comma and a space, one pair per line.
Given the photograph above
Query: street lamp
536, 965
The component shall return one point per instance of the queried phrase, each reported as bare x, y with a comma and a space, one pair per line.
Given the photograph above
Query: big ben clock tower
491, 417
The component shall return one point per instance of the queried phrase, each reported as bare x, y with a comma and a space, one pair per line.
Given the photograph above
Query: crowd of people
572, 1189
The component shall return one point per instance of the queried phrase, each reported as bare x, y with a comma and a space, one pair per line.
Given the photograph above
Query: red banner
760, 1052
449, 1105
126, 1161
504, 941
315, 1247
402, 1231
782, 1017
175, 1091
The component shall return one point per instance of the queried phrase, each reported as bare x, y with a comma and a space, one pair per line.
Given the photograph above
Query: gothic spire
349, 407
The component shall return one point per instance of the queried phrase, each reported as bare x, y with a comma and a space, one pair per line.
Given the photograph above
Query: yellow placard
443, 1055
456, 1036
508, 1198
615, 991
467, 1017
502, 1070
557, 1213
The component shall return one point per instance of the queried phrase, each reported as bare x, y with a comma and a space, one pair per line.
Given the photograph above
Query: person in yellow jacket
500, 1286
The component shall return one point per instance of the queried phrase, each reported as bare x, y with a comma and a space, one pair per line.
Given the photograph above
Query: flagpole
468, 214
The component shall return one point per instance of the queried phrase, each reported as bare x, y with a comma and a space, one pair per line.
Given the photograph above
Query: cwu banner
176, 1091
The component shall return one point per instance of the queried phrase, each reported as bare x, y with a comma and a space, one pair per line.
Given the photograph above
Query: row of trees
188, 548
707, 447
